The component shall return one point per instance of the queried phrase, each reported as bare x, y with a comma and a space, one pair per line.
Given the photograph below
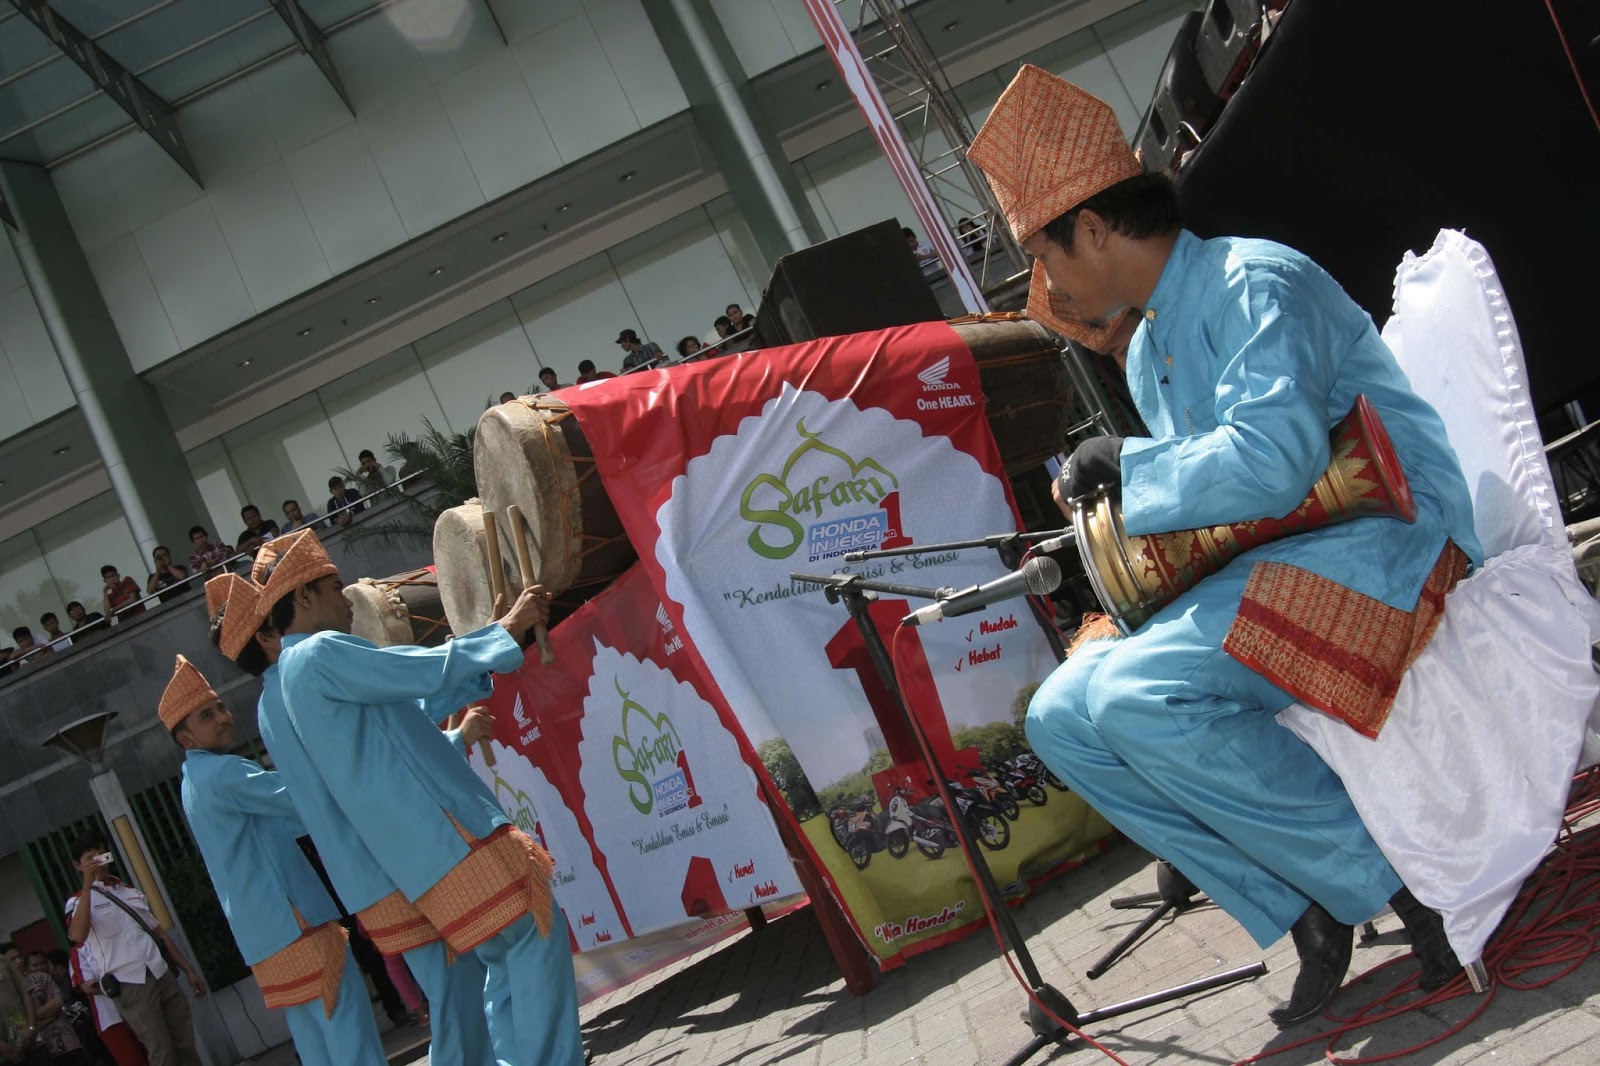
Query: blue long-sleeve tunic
397, 779
246, 827
1247, 356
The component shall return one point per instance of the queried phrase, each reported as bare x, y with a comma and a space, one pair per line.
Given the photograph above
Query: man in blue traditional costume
1244, 356
285, 923
417, 806
454, 988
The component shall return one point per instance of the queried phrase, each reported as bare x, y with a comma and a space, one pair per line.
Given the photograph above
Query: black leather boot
1324, 944
1426, 929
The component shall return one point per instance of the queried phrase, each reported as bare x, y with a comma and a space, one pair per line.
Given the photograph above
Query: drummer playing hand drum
1243, 354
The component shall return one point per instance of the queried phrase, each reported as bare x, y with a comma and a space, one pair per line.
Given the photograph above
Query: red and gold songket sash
1334, 649
310, 968
504, 876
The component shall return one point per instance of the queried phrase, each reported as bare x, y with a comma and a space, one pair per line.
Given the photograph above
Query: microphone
1037, 577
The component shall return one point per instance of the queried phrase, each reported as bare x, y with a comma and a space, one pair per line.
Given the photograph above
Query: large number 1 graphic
695, 799
847, 650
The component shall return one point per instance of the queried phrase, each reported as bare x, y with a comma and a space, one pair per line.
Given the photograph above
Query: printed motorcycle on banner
731, 474
631, 778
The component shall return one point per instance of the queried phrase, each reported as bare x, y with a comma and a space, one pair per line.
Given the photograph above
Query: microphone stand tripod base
1174, 894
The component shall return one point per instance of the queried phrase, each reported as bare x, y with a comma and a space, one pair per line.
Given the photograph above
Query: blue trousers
455, 1006
1176, 744
349, 1038
532, 994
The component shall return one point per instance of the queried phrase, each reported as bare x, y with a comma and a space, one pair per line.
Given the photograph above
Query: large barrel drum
403, 609
1027, 388
532, 453
461, 555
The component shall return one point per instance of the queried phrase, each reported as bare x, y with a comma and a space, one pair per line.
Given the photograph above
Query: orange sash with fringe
504, 876
310, 968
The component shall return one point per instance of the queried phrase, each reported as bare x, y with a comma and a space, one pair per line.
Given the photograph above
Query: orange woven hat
1047, 147
187, 692
300, 559
241, 617
1046, 308
217, 593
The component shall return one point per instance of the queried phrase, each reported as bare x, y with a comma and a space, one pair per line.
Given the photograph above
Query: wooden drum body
404, 609
532, 453
462, 558
1134, 577
1027, 387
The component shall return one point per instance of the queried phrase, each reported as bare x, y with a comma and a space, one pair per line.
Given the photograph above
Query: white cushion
1465, 787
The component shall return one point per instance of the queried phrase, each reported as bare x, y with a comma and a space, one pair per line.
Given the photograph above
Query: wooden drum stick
497, 587
497, 573
519, 541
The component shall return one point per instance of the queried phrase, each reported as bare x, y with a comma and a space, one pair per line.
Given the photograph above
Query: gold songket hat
241, 612
187, 692
217, 593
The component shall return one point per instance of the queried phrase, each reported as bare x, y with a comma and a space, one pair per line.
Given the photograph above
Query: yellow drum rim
1107, 557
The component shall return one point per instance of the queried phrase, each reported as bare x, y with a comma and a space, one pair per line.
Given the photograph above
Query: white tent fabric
1466, 784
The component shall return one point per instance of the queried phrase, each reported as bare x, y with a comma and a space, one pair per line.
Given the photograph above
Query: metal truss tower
914, 86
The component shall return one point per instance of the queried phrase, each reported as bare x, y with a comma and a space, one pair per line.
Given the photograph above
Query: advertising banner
731, 474
615, 759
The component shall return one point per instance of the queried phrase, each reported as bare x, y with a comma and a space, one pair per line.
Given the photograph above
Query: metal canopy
312, 43
148, 111
180, 50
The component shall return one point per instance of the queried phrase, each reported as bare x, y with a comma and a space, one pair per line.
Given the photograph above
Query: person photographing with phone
137, 956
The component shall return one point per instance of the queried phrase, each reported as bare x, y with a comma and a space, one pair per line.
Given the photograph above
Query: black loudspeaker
861, 281
1185, 103
1366, 126
1225, 42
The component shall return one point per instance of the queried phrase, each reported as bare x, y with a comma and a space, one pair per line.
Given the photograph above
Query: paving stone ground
773, 996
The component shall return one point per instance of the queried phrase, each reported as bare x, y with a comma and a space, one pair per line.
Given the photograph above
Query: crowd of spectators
730, 332
123, 597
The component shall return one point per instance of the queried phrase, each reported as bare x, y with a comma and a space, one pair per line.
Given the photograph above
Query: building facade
386, 222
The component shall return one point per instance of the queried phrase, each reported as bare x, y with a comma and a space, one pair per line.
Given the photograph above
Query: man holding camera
134, 953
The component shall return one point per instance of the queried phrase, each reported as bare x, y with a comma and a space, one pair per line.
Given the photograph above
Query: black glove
1095, 462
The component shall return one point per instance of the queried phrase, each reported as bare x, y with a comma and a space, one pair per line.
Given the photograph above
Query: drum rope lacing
559, 415
398, 606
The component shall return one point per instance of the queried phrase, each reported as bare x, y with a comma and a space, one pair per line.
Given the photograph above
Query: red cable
1553, 923
953, 811
1550, 930
1577, 75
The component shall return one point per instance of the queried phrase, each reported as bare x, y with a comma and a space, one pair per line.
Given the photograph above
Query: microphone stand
856, 593
1175, 893
1008, 546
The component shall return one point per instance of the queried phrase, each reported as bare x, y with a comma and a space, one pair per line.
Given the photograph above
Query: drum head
461, 554
377, 614
522, 457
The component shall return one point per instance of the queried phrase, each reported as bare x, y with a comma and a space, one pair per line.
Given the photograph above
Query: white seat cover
1465, 787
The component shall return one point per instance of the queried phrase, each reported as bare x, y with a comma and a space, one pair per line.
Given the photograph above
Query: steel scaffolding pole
914, 86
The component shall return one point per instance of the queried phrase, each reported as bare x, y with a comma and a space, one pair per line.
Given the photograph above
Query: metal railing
706, 352
237, 563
